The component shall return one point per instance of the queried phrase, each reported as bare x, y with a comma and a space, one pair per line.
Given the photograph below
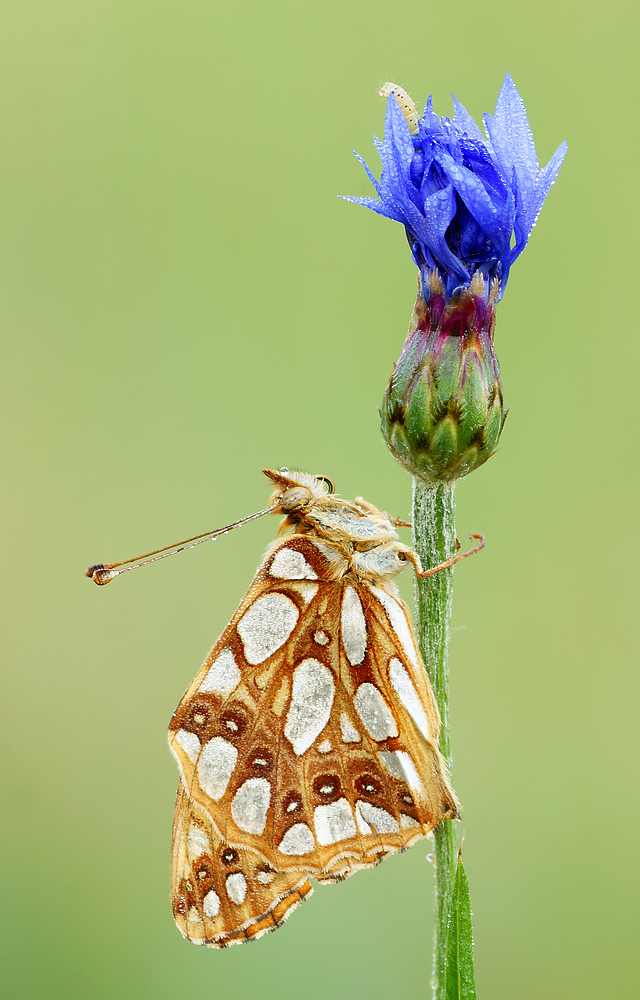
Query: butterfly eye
297, 498
328, 483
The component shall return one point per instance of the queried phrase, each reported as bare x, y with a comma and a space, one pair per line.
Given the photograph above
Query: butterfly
308, 742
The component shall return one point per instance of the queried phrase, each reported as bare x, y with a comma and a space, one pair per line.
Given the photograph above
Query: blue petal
511, 138
379, 207
429, 120
439, 212
485, 210
370, 175
544, 182
465, 122
546, 179
398, 146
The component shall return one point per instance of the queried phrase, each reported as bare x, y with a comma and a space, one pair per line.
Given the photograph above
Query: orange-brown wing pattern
308, 742
228, 731
403, 682
309, 737
372, 781
222, 895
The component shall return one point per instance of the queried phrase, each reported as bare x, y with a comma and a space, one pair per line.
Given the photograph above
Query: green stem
434, 538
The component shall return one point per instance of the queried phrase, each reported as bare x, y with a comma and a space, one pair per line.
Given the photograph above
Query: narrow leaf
459, 978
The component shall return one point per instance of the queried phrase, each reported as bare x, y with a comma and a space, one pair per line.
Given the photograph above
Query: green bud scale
443, 412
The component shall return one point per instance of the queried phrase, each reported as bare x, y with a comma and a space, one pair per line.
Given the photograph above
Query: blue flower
468, 204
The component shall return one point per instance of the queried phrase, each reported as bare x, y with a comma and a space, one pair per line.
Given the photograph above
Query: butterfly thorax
354, 540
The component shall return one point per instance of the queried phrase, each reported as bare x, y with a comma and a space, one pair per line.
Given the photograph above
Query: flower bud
443, 412
468, 204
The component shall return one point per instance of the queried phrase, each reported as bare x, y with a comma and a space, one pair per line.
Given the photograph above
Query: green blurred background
185, 301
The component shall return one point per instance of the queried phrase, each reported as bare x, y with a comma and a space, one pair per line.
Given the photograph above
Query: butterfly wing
222, 895
371, 781
293, 738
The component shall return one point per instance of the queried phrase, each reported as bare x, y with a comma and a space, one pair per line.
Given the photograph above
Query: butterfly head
297, 492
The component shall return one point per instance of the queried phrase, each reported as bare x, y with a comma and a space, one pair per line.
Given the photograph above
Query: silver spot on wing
250, 805
266, 625
377, 817
311, 700
334, 822
297, 840
215, 766
354, 628
289, 564
409, 696
223, 676
374, 712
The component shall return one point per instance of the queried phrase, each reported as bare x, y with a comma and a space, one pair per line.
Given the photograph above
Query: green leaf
459, 978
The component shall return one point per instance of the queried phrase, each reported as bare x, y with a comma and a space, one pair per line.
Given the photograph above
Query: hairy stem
434, 539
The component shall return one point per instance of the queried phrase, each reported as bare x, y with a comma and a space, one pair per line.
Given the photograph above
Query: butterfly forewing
223, 895
404, 683
309, 737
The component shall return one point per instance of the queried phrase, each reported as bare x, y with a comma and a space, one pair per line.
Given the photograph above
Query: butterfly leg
414, 558
397, 522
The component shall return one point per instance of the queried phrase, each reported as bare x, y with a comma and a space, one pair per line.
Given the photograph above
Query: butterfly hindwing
223, 895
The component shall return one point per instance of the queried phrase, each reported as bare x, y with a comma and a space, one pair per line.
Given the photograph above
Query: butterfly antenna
103, 573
